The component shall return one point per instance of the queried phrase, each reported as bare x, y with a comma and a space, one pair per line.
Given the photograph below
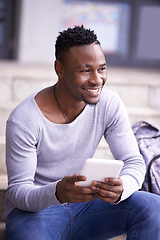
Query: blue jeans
139, 216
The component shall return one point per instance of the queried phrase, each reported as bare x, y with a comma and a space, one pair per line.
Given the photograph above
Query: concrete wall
40, 22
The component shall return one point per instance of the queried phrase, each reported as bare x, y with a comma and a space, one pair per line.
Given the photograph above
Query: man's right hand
68, 191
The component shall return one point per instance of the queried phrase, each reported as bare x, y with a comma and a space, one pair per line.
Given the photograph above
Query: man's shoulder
24, 112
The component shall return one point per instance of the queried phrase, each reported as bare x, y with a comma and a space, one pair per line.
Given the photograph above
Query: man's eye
85, 70
102, 69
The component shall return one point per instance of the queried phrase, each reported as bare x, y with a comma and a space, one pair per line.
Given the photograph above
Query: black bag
148, 138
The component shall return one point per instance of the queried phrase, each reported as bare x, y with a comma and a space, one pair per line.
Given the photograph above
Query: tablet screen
99, 169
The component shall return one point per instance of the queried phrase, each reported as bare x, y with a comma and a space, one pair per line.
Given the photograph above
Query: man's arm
123, 146
21, 159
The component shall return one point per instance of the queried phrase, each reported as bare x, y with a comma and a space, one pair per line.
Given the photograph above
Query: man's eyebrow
103, 65
83, 66
89, 66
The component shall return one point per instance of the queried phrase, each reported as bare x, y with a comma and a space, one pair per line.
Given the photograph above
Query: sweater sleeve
21, 160
123, 145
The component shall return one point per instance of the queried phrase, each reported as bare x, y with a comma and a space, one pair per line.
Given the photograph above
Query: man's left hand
108, 191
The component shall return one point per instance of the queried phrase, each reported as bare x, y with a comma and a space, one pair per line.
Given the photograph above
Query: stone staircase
139, 89
3, 186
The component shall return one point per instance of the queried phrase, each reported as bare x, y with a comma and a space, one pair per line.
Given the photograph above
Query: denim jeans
139, 216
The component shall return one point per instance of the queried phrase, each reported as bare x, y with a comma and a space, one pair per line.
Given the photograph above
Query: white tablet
99, 169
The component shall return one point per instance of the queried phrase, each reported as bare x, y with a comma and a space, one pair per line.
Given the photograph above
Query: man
49, 137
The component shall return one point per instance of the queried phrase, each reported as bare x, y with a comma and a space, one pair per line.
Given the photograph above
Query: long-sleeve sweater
39, 153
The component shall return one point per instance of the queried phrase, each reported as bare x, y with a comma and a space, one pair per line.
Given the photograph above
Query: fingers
113, 181
108, 191
68, 191
79, 194
75, 178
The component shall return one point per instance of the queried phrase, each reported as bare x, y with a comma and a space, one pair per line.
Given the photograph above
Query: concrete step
3, 186
2, 156
136, 87
2, 203
2, 232
17, 81
5, 110
3, 182
139, 94
143, 113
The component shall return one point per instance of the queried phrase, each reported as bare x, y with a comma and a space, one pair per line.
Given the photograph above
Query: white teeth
93, 90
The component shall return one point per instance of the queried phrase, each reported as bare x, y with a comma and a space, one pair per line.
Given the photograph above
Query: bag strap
149, 172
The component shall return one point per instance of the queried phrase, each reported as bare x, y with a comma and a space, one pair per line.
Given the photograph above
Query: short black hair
76, 36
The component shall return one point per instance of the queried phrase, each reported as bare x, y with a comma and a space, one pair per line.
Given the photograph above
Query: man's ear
59, 68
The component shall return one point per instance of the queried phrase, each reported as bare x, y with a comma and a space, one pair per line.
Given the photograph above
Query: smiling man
50, 135
83, 73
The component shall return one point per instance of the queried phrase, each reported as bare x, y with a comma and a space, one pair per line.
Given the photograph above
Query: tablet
99, 169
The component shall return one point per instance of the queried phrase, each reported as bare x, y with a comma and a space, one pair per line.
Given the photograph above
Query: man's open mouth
93, 90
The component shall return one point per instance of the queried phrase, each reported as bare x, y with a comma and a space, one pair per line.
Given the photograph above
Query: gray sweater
39, 153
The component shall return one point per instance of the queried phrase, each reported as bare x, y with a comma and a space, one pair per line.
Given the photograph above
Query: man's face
84, 71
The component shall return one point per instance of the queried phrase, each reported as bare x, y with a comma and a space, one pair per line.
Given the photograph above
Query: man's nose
96, 79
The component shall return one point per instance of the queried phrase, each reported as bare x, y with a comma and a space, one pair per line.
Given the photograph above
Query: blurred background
128, 30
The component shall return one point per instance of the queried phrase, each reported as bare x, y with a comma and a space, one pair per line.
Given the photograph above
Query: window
6, 28
127, 30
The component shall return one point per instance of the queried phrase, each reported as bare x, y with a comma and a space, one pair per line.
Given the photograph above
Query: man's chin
91, 103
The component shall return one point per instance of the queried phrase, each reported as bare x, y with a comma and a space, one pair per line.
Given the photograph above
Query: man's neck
68, 105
